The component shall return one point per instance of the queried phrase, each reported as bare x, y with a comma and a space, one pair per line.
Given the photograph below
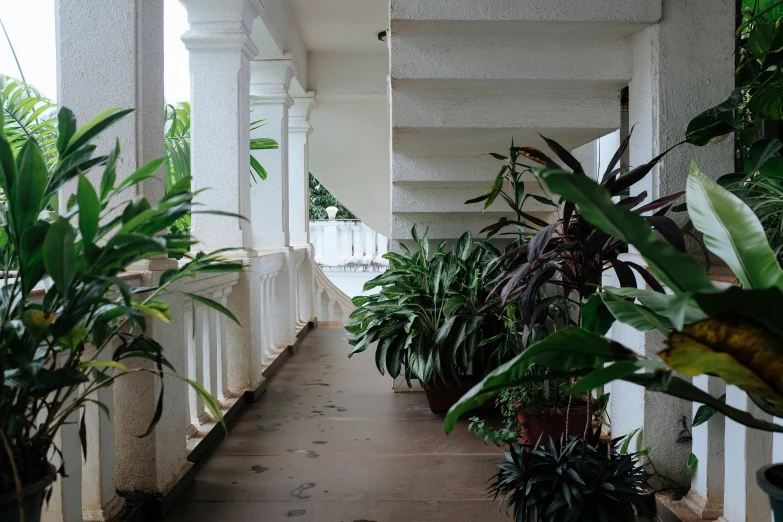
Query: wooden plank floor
330, 442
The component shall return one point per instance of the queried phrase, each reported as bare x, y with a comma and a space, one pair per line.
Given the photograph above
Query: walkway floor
330, 442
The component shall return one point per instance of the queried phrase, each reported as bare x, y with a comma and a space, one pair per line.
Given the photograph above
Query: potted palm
733, 333
70, 321
431, 319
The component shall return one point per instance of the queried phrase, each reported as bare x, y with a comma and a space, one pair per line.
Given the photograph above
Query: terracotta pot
543, 423
441, 397
32, 500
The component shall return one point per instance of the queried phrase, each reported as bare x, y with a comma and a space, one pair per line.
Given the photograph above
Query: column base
699, 505
108, 513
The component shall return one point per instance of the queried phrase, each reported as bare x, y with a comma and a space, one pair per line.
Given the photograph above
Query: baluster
99, 493
330, 311
346, 243
196, 356
369, 244
212, 355
358, 244
65, 504
270, 347
706, 494
383, 248
317, 234
190, 336
749, 450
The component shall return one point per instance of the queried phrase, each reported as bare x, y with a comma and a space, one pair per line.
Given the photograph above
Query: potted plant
552, 269
70, 321
572, 480
430, 318
733, 333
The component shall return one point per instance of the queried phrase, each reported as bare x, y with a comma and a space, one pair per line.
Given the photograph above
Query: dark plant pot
770, 479
32, 500
543, 423
441, 397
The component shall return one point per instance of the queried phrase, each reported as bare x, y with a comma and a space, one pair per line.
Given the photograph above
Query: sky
31, 28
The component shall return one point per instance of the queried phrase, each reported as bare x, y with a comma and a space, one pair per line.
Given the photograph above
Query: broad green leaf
604, 376
211, 304
563, 351
59, 254
636, 316
153, 310
89, 209
678, 270
705, 413
66, 127
94, 127
732, 232
146, 171
596, 317
102, 364
713, 125
676, 308
28, 190
682, 389
738, 350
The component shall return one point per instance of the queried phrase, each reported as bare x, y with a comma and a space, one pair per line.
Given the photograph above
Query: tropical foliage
70, 322
732, 333
431, 318
570, 254
572, 481
320, 199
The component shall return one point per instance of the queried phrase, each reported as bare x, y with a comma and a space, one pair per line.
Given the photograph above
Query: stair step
494, 55
646, 12
421, 107
449, 225
473, 143
414, 198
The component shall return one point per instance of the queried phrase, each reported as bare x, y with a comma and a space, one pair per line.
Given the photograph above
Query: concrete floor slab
330, 441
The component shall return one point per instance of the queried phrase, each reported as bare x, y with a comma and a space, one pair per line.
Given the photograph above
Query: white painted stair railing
347, 244
227, 359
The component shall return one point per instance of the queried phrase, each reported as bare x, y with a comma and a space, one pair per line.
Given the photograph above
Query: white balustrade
347, 243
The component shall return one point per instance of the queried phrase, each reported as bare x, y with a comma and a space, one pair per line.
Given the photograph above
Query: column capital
299, 115
270, 80
221, 25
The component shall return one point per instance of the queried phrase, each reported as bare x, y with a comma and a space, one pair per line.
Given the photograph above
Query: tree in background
320, 198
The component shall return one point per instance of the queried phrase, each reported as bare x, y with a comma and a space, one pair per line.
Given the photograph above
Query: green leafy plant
571, 481
431, 318
70, 322
732, 333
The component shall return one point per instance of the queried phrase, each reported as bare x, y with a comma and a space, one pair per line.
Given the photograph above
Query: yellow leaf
102, 364
738, 350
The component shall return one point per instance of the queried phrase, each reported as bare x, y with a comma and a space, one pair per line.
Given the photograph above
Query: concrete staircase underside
467, 76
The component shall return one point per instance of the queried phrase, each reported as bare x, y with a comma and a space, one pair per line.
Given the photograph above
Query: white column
270, 101
747, 451
383, 247
667, 91
299, 129
706, 494
358, 243
220, 50
110, 54
317, 235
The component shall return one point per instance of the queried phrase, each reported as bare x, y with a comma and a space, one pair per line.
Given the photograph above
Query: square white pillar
270, 101
220, 50
299, 129
110, 54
